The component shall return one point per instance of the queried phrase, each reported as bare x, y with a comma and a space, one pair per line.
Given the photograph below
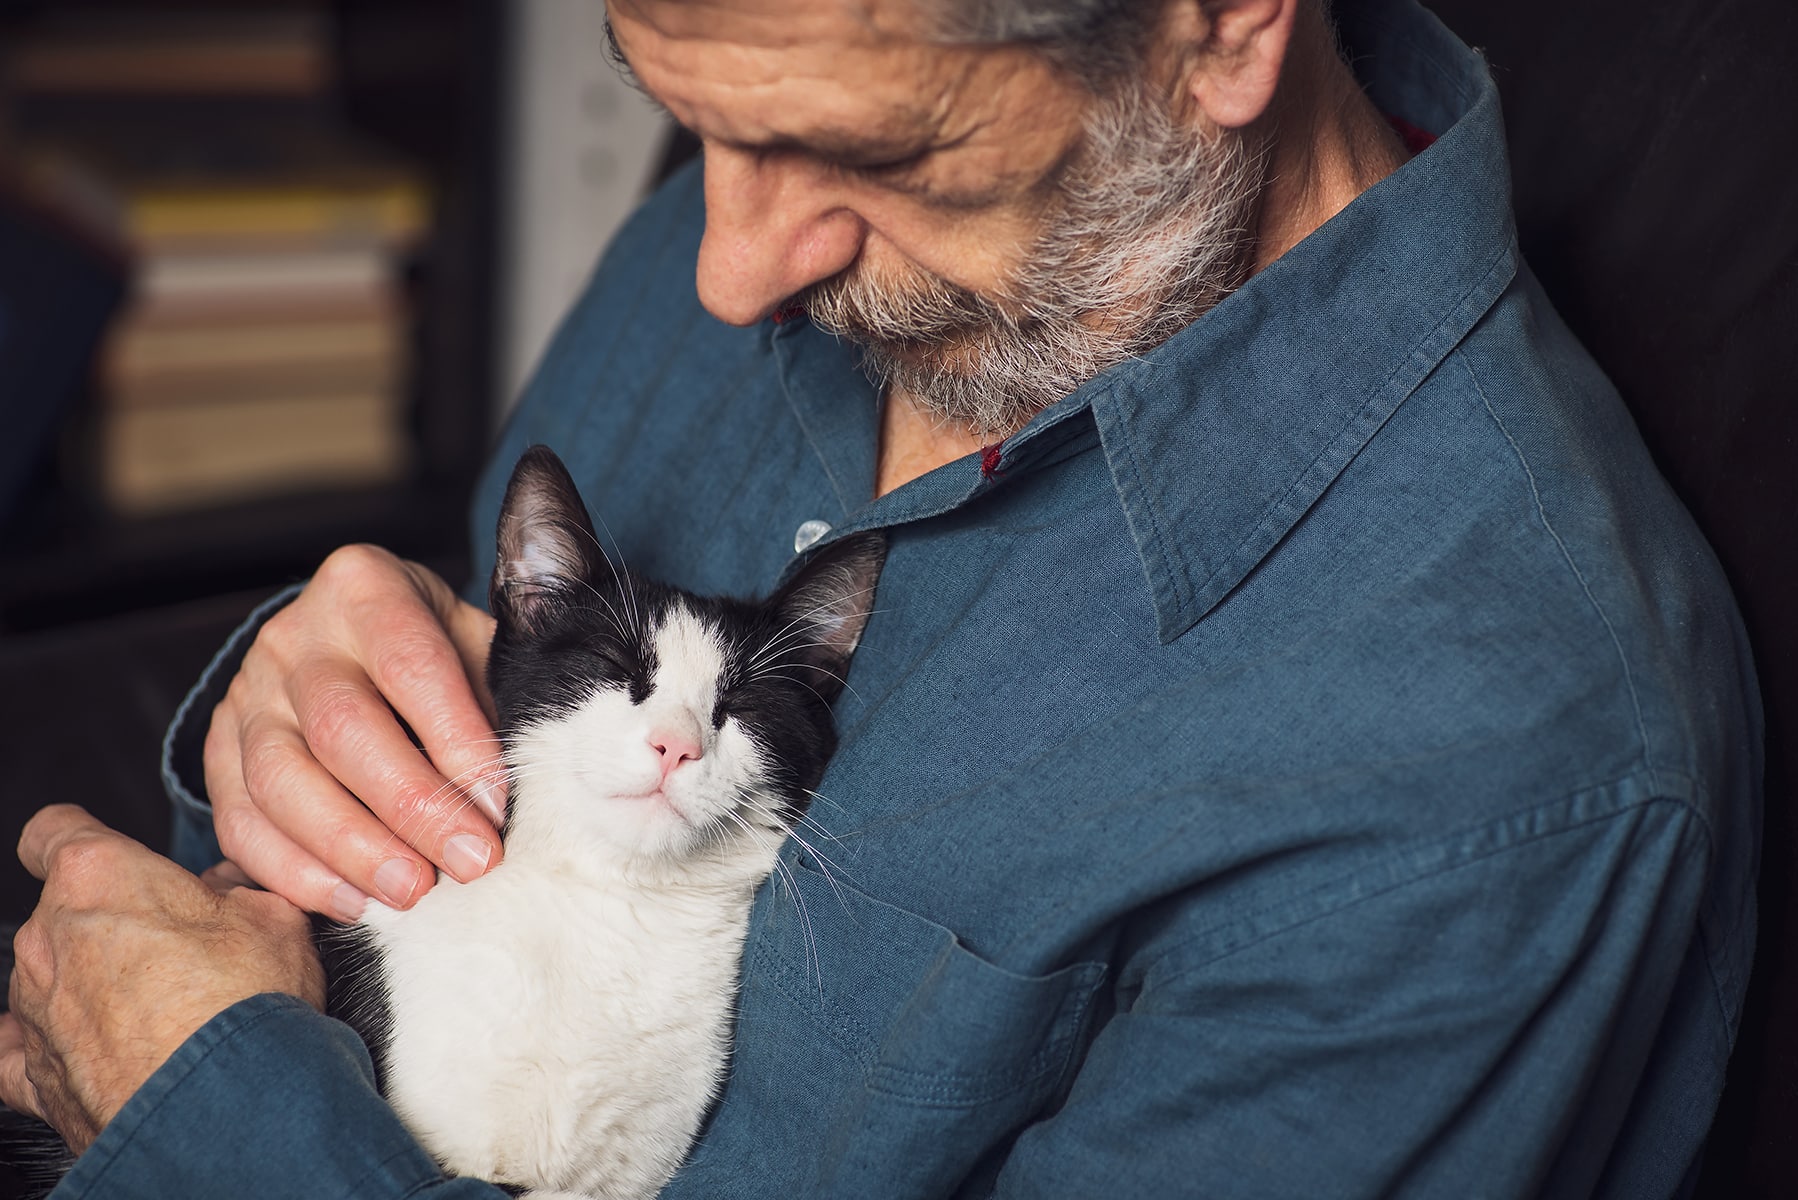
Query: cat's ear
547, 551
824, 608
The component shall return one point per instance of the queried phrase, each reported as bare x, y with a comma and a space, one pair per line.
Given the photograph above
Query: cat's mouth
660, 798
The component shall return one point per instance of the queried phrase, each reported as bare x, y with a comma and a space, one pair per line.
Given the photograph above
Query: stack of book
265, 346
149, 49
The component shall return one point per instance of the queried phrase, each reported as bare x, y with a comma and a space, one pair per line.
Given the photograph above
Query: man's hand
126, 956
317, 792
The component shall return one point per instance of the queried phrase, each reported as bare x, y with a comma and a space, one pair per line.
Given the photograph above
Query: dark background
1656, 198
106, 619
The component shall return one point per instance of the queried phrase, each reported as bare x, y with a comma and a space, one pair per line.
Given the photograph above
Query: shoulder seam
1529, 474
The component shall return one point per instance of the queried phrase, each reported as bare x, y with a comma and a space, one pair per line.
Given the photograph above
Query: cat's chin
660, 832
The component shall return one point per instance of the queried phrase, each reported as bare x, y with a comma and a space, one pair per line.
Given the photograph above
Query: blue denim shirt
1319, 758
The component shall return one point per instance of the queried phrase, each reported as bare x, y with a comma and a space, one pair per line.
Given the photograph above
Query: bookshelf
298, 198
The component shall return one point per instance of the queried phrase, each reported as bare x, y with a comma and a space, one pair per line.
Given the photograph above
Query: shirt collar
1220, 440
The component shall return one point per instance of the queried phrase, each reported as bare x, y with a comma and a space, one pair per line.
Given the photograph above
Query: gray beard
1152, 228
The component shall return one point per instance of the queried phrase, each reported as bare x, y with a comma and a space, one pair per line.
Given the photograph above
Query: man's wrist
269, 1098
192, 843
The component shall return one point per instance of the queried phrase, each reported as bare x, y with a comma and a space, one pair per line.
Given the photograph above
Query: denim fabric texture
1319, 758
192, 842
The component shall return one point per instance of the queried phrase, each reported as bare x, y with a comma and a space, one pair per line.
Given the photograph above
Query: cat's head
658, 725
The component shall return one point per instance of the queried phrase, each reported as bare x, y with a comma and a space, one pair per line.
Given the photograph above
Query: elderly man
1302, 748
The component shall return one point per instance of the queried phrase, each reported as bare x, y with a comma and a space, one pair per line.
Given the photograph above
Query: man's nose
773, 226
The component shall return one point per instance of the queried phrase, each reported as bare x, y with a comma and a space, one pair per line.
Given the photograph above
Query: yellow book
161, 459
390, 211
151, 352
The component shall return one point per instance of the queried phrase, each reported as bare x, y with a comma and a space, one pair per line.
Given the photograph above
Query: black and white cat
561, 1024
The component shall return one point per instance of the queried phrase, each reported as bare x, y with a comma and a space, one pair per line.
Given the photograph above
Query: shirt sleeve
1482, 1013
268, 1099
192, 842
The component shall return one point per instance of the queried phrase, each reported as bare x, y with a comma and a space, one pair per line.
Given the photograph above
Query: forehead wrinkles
754, 72
774, 21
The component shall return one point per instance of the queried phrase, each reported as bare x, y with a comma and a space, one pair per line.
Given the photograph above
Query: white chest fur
560, 1031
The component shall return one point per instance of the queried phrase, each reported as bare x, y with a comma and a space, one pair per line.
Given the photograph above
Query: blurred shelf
414, 81
102, 567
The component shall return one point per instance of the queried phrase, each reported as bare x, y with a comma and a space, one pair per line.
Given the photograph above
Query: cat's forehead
689, 645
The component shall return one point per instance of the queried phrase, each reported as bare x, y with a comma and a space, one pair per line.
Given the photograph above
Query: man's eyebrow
845, 146
853, 147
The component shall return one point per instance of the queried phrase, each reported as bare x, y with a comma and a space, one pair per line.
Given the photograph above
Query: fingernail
396, 879
488, 798
347, 903
466, 856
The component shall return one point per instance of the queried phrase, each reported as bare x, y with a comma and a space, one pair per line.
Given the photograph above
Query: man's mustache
909, 317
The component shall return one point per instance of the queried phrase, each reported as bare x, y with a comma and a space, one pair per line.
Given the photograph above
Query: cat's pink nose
674, 747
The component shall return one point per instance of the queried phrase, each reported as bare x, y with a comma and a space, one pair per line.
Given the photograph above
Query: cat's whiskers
620, 574
774, 671
799, 819
824, 861
625, 630
808, 619
820, 796
420, 813
771, 673
799, 906
763, 660
773, 653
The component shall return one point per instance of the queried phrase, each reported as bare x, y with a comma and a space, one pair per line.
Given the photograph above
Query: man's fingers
16, 1091
53, 828
316, 785
333, 827
273, 860
429, 663
359, 744
391, 617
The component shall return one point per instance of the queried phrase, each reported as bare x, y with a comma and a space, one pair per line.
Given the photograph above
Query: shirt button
807, 535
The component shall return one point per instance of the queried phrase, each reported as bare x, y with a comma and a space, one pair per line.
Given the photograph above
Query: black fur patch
356, 987
570, 621
33, 1156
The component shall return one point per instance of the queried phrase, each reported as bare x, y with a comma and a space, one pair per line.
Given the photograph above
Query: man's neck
1326, 142
914, 443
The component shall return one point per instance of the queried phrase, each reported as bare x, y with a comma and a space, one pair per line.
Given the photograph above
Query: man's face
975, 218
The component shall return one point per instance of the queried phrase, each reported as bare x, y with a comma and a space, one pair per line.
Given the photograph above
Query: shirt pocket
888, 1056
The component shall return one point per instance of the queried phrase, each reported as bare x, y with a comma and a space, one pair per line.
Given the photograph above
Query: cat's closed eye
615, 661
609, 663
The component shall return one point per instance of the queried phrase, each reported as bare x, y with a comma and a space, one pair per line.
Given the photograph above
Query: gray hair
1095, 39
1152, 228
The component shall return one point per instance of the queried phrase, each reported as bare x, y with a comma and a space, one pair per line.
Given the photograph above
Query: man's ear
1237, 48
